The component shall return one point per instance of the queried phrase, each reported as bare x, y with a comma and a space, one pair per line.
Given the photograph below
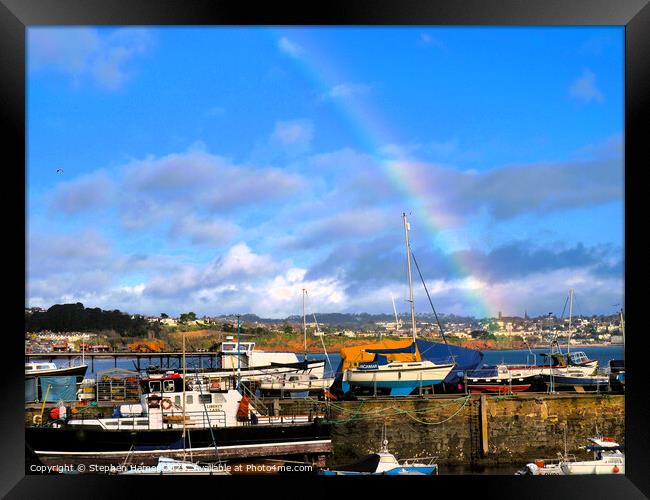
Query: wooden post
484, 426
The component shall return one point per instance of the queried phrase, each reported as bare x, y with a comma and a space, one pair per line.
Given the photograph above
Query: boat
565, 378
294, 383
502, 379
609, 458
210, 413
255, 365
36, 369
385, 463
385, 374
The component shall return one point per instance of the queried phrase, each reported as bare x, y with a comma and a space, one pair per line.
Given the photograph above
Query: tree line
77, 318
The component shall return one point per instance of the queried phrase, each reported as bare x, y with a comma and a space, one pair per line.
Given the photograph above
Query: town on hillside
74, 328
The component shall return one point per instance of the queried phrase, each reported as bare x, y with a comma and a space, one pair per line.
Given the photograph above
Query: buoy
615, 470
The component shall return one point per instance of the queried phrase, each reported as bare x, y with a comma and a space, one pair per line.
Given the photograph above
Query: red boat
502, 379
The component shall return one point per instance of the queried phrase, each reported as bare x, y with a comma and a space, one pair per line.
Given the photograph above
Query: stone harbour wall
484, 430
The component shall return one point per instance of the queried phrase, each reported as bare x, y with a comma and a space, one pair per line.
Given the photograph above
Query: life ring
37, 419
166, 404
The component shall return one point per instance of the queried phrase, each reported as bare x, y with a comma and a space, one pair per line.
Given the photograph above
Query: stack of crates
118, 386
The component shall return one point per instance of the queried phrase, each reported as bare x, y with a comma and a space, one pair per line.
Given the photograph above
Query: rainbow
368, 125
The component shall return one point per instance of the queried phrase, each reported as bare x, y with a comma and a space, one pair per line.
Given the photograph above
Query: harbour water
510, 356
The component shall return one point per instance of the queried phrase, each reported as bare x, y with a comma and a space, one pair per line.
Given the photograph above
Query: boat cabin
39, 366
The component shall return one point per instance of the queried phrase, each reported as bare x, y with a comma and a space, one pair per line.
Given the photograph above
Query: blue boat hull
398, 471
394, 388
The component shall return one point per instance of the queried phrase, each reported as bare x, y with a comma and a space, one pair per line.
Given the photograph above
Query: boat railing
255, 402
196, 418
417, 460
560, 458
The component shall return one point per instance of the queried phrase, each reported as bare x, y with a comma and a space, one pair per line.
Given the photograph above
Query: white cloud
289, 47
88, 53
584, 88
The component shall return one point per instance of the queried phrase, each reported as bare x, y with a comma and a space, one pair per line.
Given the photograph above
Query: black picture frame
17, 15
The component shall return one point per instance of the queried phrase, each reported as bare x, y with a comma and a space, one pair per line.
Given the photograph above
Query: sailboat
297, 383
575, 369
397, 378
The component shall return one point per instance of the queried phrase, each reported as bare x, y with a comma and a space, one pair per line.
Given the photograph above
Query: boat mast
304, 321
407, 227
568, 342
238, 351
623, 326
184, 398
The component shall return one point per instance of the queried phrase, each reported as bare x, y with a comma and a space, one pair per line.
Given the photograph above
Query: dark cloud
83, 194
507, 192
383, 261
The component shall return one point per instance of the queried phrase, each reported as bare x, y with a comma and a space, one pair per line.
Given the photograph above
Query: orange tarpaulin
242, 411
352, 356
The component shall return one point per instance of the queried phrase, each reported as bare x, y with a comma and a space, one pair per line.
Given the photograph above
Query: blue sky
222, 170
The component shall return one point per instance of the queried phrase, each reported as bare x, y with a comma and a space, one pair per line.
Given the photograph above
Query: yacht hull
397, 381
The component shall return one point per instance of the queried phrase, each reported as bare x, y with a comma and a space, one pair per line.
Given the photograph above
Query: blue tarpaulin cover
437, 352
399, 350
63, 388
31, 390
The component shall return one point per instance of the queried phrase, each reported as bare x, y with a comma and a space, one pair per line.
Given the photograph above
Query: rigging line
321, 336
442, 333
207, 416
566, 301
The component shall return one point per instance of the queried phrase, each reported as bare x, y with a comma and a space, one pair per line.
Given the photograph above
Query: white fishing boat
397, 378
177, 416
609, 458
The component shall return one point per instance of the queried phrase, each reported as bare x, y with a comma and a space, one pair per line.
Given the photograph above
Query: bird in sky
59, 170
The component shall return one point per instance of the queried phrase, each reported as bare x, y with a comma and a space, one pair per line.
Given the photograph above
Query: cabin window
189, 399
205, 398
168, 385
177, 400
154, 386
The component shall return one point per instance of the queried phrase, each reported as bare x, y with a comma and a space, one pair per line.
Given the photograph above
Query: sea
490, 357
